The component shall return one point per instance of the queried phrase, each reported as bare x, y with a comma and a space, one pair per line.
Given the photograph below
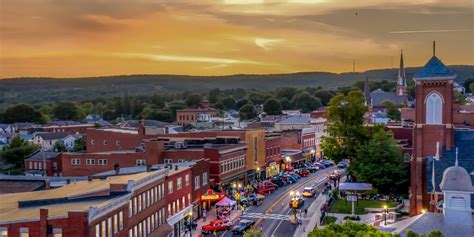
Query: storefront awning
180, 215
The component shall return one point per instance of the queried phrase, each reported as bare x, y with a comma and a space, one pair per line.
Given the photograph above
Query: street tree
392, 110
59, 146
379, 161
272, 107
345, 126
79, 144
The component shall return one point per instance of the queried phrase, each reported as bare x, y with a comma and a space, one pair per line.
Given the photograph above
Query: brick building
148, 203
188, 116
273, 157
69, 129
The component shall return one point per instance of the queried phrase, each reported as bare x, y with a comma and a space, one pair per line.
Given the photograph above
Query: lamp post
385, 209
258, 173
191, 223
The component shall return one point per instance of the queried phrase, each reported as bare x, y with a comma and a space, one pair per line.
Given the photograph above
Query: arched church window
434, 109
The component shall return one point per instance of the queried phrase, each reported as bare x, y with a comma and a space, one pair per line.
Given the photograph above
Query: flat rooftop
11, 212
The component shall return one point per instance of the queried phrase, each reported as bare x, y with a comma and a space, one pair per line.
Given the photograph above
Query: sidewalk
211, 215
313, 218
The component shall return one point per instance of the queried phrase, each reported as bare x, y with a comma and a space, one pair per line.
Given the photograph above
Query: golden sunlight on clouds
70, 38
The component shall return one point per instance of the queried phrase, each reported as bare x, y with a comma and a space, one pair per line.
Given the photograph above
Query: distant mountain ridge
45, 90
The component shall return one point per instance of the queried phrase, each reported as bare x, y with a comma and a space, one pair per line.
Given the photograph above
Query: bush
352, 218
329, 220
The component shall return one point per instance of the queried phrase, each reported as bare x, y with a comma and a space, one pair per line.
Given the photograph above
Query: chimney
176, 167
117, 168
47, 184
43, 222
141, 127
148, 168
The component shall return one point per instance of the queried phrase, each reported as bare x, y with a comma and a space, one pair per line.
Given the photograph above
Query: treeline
248, 102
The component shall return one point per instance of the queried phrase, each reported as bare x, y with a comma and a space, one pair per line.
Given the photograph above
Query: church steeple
367, 92
402, 81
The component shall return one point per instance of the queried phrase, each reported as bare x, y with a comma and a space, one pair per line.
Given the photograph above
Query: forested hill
43, 90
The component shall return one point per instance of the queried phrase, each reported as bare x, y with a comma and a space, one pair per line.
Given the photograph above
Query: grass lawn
341, 206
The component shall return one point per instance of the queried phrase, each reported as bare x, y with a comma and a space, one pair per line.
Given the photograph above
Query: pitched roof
464, 140
51, 135
296, 120
378, 96
148, 123
39, 155
435, 69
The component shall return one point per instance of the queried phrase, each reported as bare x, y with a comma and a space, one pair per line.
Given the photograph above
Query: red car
217, 226
265, 187
302, 173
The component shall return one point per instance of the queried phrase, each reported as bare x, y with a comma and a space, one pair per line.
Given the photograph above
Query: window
90, 162
130, 208
196, 182
92, 142
30, 165
109, 226
121, 220
3, 232
115, 223
434, 109
117, 143
40, 166
179, 183
105, 142
186, 179
170, 187
204, 178
102, 162
141, 162
103, 228
97, 230
139, 202
75, 161
168, 161
135, 208
184, 201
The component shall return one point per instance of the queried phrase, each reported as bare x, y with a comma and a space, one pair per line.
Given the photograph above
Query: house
48, 139
7, 128
43, 163
187, 116
70, 140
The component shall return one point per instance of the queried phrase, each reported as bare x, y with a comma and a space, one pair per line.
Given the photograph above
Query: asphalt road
272, 214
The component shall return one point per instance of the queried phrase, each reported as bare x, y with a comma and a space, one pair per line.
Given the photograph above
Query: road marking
288, 192
265, 216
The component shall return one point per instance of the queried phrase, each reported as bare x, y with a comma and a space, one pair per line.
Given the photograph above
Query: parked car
265, 187
327, 163
278, 181
312, 169
309, 192
342, 165
288, 179
242, 226
216, 225
302, 172
295, 176
320, 165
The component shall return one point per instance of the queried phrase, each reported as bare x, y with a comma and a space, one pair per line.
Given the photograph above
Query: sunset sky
75, 38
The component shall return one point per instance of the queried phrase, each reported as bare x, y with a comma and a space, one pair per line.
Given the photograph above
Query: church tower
402, 81
433, 123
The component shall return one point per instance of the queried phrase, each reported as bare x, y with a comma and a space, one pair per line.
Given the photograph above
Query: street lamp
423, 211
385, 214
292, 194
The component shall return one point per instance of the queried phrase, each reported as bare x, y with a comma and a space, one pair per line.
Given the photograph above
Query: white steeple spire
401, 72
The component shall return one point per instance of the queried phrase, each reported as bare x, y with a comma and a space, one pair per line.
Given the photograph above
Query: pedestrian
204, 215
305, 213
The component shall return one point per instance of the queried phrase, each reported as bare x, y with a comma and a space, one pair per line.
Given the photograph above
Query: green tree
164, 115
347, 229
253, 232
241, 103
88, 108
272, 107
380, 162
324, 95
15, 152
66, 111
285, 103
229, 103
176, 105
59, 147
22, 113
305, 102
79, 144
258, 98
213, 95
158, 100
392, 110
286, 92
345, 126
193, 100
247, 112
